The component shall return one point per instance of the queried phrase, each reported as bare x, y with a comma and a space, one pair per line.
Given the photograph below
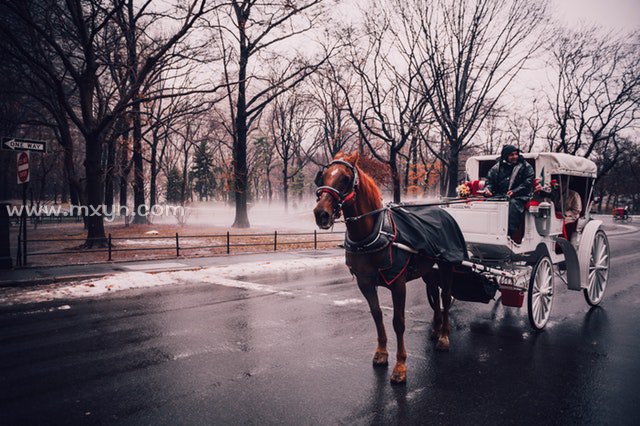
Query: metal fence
226, 242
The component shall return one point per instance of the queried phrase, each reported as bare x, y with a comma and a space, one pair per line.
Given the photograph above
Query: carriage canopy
544, 163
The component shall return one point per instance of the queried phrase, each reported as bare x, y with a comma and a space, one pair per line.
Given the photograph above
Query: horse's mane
367, 186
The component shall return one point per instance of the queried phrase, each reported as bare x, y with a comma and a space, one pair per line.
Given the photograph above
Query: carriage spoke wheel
540, 293
598, 269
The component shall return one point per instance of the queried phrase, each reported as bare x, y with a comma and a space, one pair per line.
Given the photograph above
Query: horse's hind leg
381, 356
446, 277
398, 294
433, 293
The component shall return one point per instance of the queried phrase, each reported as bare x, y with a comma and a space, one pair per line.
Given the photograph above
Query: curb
80, 277
50, 280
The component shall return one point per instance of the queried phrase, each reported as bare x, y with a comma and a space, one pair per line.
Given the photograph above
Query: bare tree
265, 164
390, 111
468, 52
335, 131
526, 128
251, 31
73, 36
595, 95
162, 118
290, 125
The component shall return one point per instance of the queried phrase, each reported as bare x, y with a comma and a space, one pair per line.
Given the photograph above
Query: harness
400, 231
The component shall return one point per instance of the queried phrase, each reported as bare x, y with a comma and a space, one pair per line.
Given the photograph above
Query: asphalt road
209, 354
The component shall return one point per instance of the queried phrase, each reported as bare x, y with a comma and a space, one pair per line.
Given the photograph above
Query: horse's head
337, 184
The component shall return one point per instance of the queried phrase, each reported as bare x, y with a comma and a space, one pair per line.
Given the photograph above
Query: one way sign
18, 144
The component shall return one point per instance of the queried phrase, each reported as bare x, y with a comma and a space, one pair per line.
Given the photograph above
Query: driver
512, 177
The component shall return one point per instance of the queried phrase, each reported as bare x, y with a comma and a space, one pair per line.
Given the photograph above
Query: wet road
208, 354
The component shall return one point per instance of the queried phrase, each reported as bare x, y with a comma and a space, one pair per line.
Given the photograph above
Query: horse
343, 188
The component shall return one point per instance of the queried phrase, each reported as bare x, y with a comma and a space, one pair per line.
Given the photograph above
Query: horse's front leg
381, 356
398, 294
446, 277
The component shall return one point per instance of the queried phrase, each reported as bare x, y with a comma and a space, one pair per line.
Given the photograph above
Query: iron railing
227, 242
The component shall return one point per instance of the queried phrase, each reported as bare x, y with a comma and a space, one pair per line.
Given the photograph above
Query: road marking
345, 302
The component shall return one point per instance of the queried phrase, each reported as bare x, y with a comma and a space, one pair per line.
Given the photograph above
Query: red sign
23, 167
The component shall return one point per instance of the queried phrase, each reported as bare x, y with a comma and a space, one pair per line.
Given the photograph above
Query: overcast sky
611, 14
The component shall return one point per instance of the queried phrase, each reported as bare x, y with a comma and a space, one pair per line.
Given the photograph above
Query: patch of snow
346, 302
218, 275
154, 266
164, 242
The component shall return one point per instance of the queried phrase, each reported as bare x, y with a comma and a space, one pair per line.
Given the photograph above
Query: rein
401, 205
341, 199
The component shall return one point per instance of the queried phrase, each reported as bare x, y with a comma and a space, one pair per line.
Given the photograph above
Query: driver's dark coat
498, 180
500, 174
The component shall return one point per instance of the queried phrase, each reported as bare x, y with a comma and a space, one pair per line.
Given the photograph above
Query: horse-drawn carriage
577, 253
461, 248
621, 214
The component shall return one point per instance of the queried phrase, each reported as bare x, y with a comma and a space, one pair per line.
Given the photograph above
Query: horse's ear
354, 158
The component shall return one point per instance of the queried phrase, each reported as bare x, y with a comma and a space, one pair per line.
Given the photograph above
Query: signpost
22, 167
23, 147
18, 144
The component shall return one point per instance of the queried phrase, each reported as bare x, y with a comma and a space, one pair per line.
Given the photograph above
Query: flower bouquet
464, 190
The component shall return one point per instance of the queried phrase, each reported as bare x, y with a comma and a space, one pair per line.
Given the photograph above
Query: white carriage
528, 269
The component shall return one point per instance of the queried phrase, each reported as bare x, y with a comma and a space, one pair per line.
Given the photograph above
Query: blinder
318, 180
333, 192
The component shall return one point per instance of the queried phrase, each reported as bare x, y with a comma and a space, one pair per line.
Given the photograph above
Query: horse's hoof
434, 334
399, 375
381, 359
443, 344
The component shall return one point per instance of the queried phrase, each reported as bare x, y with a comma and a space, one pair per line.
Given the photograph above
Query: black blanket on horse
429, 230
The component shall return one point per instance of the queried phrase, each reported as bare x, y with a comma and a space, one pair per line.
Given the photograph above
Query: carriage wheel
540, 293
598, 269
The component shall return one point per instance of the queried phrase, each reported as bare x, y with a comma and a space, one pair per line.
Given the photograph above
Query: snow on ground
345, 302
219, 275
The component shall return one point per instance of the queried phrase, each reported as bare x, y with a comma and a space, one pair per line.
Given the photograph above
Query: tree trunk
138, 169
70, 173
240, 147
111, 163
269, 187
453, 169
285, 185
185, 176
124, 169
154, 177
406, 175
95, 221
395, 176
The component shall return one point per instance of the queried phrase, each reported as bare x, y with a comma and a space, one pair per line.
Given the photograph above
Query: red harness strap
349, 197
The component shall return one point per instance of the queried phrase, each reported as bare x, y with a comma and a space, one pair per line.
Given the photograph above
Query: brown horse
344, 188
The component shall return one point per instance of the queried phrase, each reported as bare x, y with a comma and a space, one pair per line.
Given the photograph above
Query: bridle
339, 197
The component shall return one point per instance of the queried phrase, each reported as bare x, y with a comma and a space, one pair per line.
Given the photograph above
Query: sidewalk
54, 274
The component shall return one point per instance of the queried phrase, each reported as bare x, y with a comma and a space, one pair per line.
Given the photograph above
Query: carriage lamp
544, 209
